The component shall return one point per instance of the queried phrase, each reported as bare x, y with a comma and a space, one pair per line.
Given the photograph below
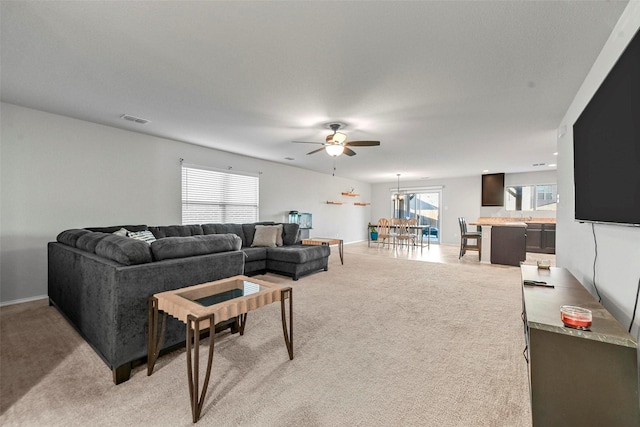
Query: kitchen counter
489, 220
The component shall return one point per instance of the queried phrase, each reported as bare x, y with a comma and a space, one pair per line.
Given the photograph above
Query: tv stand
576, 377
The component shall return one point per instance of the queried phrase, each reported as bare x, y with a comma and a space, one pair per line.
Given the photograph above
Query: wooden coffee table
203, 306
326, 241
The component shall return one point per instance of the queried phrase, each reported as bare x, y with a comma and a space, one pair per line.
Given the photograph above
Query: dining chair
384, 232
404, 232
465, 236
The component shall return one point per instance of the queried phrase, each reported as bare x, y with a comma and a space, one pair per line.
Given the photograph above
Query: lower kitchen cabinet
541, 238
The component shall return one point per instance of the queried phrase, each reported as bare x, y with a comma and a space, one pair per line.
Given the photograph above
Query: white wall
618, 262
59, 173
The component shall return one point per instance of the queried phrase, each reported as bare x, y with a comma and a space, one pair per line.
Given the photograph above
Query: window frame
213, 195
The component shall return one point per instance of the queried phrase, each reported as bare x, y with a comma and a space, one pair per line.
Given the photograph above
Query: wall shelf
332, 202
361, 204
349, 194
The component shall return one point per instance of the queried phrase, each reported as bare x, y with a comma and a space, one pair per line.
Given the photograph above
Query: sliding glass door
423, 205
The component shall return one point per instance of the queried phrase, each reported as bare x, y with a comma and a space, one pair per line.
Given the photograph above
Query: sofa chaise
100, 279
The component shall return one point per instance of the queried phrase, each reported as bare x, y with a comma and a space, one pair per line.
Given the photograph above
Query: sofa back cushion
231, 228
124, 250
249, 230
115, 228
89, 241
290, 234
180, 247
176, 231
70, 237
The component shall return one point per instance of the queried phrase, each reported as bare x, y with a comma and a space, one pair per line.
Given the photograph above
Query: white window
531, 197
214, 196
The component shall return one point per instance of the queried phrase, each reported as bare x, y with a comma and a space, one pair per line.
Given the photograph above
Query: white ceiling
450, 88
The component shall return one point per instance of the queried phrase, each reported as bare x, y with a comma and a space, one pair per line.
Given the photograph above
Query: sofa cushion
114, 228
209, 229
298, 254
124, 250
70, 237
181, 247
254, 254
176, 230
231, 228
249, 231
290, 234
265, 236
89, 241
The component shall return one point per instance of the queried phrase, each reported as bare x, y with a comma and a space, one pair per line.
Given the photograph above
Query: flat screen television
606, 146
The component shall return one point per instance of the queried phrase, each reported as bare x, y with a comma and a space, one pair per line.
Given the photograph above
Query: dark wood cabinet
549, 239
493, 189
508, 245
576, 378
541, 238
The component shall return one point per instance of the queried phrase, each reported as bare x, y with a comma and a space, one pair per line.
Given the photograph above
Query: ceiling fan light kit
334, 150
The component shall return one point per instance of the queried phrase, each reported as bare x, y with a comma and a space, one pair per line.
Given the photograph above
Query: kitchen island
511, 244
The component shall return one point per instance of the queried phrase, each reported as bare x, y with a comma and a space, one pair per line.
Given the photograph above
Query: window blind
211, 196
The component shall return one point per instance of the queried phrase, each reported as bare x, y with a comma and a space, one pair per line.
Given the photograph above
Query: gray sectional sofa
101, 281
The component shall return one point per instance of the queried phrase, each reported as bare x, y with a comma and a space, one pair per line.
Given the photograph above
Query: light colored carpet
377, 342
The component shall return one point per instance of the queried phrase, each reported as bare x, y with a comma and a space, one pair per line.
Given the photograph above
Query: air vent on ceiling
135, 119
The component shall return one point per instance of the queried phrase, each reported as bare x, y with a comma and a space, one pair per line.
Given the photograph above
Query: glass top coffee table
203, 306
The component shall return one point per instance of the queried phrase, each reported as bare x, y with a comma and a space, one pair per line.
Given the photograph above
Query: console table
576, 377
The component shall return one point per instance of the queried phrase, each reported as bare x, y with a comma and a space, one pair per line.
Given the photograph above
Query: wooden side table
326, 241
201, 307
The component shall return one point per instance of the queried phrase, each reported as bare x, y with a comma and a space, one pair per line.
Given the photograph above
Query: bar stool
465, 236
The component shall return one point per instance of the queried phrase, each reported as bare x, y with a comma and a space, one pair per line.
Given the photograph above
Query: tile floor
442, 253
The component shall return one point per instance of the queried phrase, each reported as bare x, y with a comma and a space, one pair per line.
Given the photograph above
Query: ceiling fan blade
307, 142
315, 151
362, 143
349, 152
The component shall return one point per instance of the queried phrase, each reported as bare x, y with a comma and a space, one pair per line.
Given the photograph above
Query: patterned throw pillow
146, 236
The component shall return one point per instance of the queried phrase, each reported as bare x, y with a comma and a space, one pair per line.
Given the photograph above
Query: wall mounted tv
606, 146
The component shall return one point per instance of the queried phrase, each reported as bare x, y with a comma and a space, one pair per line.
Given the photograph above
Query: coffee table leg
288, 335
154, 342
193, 369
242, 321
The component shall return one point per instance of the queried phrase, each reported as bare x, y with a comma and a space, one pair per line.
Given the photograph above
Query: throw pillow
278, 228
265, 236
122, 232
146, 236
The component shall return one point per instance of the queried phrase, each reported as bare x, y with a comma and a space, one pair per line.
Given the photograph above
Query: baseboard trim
22, 300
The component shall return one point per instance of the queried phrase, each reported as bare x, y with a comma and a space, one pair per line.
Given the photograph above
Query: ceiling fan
336, 143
